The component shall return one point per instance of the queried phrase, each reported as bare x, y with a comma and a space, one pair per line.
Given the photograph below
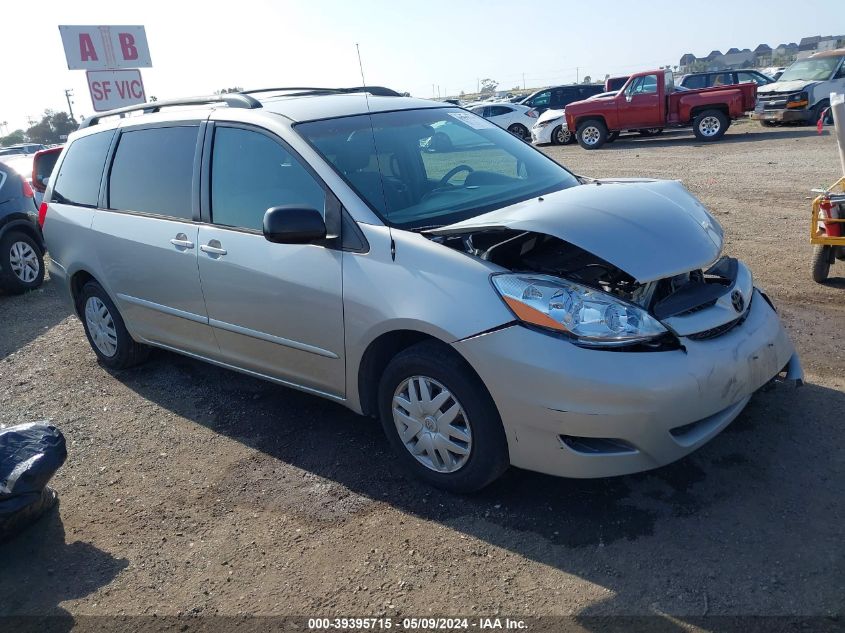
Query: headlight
589, 315
547, 122
798, 100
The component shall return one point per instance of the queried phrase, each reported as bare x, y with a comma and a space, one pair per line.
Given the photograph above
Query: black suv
558, 97
694, 81
21, 244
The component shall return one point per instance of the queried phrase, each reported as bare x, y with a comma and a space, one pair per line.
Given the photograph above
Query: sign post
111, 55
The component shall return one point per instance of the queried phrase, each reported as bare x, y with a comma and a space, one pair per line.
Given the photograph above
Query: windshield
432, 167
811, 69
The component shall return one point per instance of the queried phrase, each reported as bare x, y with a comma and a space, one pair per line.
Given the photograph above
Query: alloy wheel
709, 126
562, 136
24, 262
101, 326
432, 424
590, 135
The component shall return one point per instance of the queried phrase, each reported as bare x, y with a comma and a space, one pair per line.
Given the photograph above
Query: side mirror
291, 224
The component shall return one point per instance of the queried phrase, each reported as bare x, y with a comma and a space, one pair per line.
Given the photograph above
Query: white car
551, 125
551, 128
516, 119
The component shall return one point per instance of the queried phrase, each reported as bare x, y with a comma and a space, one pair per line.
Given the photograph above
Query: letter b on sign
127, 46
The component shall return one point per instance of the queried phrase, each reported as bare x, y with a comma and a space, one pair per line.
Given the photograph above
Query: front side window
432, 167
646, 84
251, 172
152, 171
78, 180
541, 100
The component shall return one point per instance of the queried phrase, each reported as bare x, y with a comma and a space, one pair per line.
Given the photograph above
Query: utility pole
523, 81
576, 74
68, 95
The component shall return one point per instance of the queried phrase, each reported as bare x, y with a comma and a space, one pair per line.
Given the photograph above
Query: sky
425, 47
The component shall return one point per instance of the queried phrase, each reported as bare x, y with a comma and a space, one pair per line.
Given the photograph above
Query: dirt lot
192, 490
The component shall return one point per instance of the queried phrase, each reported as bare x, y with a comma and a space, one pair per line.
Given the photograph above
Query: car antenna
375, 147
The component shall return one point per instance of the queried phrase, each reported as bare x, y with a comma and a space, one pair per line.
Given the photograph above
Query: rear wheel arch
77, 283
721, 107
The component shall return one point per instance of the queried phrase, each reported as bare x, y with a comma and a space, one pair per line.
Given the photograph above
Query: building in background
762, 56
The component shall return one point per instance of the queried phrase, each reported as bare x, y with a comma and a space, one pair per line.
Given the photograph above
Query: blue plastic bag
30, 454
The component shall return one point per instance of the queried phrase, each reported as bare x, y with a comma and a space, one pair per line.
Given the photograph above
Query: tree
587, 79
489, 85
53, 127
224, 91
12, 139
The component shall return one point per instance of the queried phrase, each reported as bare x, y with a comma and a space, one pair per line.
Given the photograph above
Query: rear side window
78, 180
152, 171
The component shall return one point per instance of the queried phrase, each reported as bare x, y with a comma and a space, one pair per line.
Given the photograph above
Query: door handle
181, 241
213, 248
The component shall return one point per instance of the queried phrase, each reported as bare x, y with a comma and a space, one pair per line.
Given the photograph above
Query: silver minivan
417, 263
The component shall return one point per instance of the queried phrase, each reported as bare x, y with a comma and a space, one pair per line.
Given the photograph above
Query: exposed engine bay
528, 251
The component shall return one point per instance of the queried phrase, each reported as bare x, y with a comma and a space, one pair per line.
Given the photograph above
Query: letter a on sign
105, 47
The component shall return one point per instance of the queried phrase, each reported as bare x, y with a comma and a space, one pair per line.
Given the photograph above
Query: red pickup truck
650, 100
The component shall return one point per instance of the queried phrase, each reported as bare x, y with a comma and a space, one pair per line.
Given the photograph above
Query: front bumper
644, 409
543, 135
783, 116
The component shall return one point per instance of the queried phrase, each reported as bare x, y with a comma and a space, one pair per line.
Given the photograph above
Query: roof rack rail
378, 91
232, 99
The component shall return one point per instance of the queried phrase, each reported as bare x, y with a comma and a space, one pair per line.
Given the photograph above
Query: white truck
803, 91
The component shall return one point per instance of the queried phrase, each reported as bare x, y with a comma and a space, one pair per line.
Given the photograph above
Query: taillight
42, 214
532, 114
27, 190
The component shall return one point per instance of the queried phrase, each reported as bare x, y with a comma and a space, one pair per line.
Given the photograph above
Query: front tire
710, 125
561, 136
821, 262
106, 331
21, 263
591, 134
440, 420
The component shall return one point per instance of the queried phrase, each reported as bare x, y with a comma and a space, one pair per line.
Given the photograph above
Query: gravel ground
192, 490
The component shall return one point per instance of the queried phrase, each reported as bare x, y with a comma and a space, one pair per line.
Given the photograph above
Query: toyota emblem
737, 300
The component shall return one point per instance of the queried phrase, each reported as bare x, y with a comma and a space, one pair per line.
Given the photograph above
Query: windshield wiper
423, 229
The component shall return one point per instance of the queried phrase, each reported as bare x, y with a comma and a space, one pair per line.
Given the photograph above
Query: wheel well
720, 107
584, 119
27, 229
376, 357
77, 282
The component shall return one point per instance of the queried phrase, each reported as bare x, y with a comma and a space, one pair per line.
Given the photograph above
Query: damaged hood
651, 229
785, 86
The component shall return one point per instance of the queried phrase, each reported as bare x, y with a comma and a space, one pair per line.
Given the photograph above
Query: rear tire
424, 424
591, 134
21, 263
106, 331
710, 125
821, 262
520, 131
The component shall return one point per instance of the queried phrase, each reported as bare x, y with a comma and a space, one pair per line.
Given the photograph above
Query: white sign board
115, 88
105, 47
